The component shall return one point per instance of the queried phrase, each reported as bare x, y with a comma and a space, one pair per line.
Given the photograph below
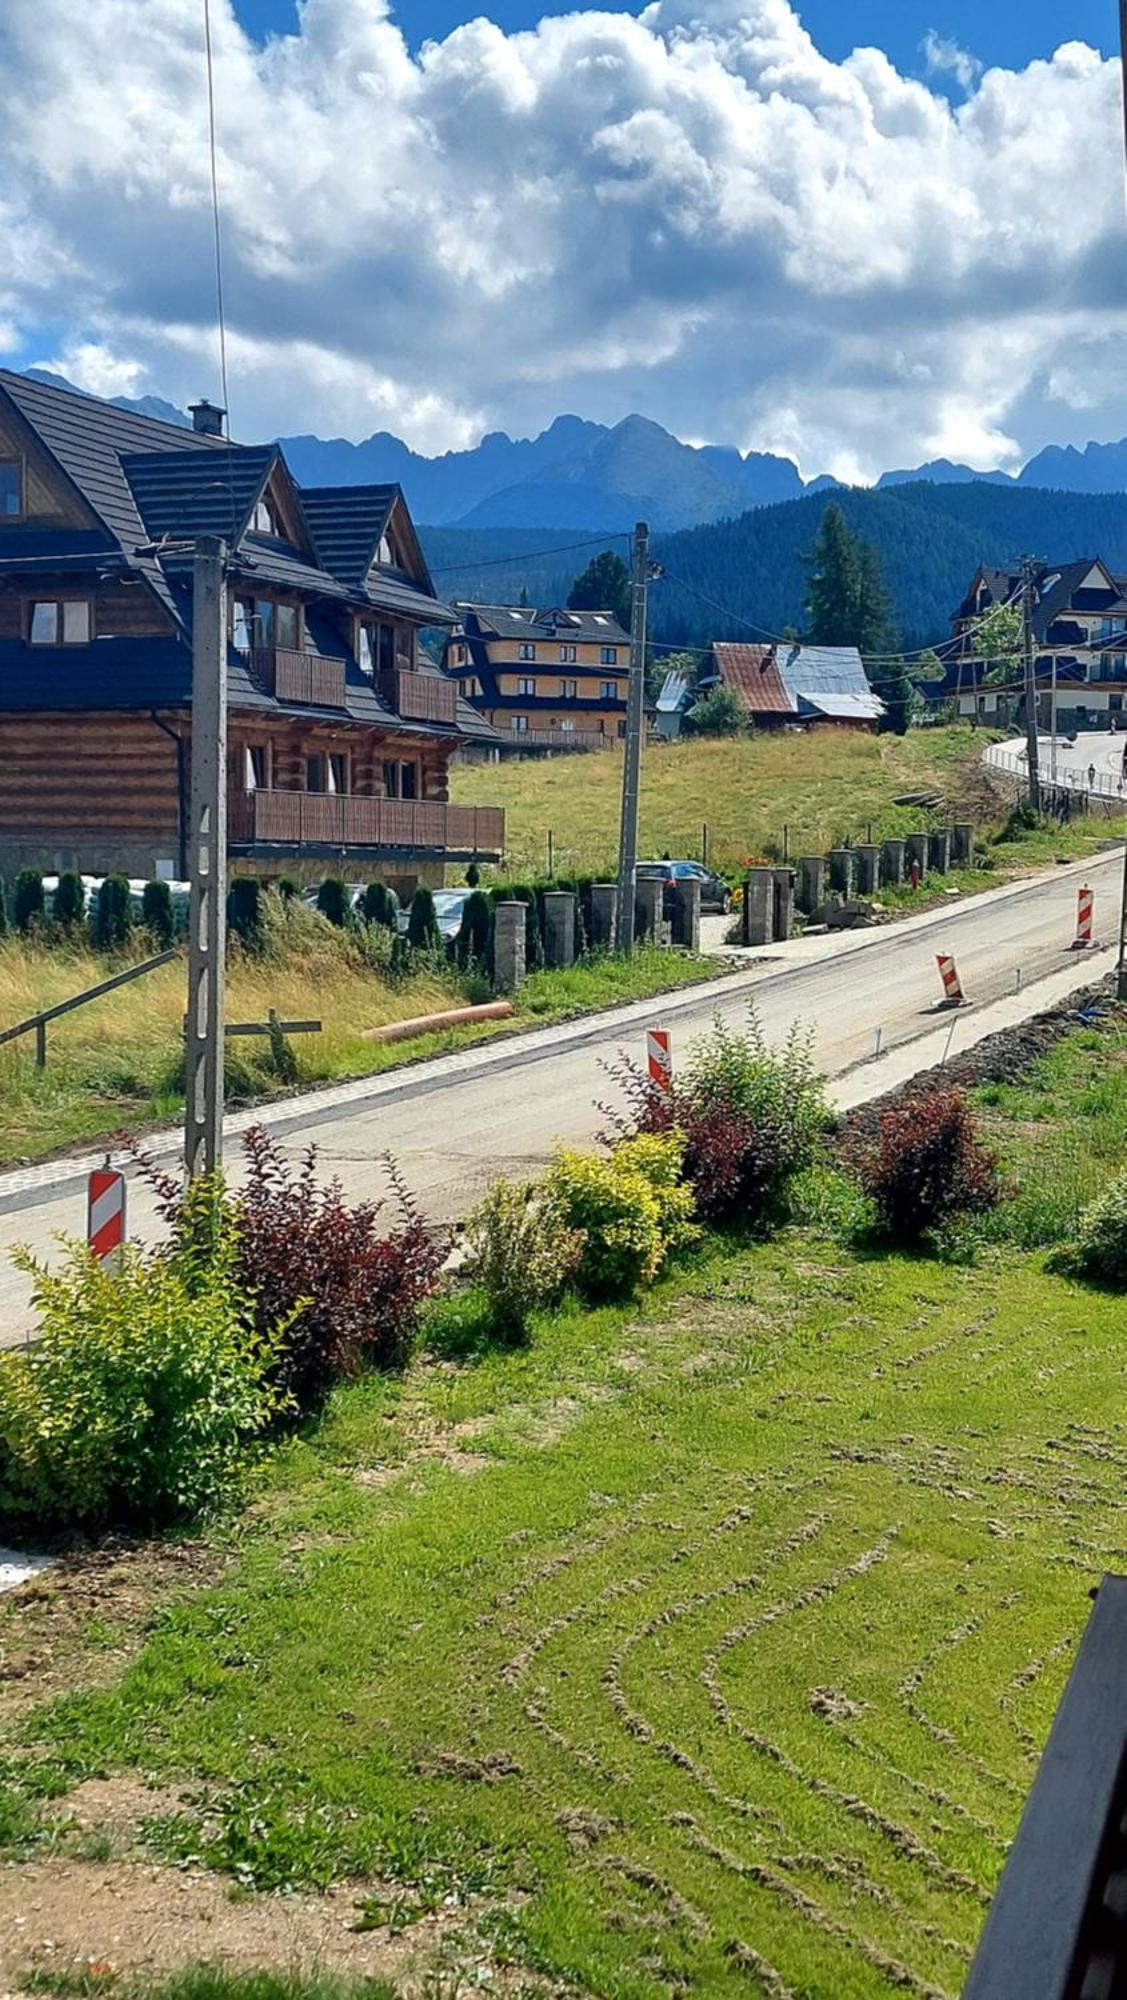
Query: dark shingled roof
346, 523
509, 621
181, 494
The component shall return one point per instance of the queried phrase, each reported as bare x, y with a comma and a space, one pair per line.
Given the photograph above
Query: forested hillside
930, 539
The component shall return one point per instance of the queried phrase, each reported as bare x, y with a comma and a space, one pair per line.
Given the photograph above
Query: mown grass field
117, 1062
707, 1645
822, 788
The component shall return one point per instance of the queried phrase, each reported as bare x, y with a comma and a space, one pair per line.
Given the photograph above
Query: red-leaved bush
925, 1164
359, 1284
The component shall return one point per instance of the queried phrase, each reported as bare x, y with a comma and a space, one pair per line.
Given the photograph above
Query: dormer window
11, 489
264, 520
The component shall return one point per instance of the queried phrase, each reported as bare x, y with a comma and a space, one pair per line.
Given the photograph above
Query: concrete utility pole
1121, 974
207, 847
1032, 754
632, 766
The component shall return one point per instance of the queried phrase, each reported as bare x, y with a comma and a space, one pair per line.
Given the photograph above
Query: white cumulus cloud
692, 213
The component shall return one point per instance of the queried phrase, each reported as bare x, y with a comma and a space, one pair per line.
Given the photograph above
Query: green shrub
422, 924
475, 930
1100, 1250
69, 904
156, 912
132, 1405
27, 899
521, 1253
633, 1210
333, 903
377, 906
287, 888
244, 909
473, 875
718, 713
113, 913
927, 1164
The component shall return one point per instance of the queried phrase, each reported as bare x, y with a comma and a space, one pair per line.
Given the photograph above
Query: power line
526, 555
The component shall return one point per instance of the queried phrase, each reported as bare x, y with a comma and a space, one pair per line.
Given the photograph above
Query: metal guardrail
37, 1023
1103, 786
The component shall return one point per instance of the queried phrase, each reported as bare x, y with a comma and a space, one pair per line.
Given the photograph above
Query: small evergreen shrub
475, 932
521, 1253
113, 913
333, 903
27, 900
633, 1210
156, 913
378, 906
1100, 1250
473, 875
287, 888
134, 1403
244, 910
422, 924
927, 1164
718, 713
69, 903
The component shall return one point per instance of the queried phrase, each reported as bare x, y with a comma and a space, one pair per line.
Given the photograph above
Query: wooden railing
327, 819
422, 697
555, 739
306, 679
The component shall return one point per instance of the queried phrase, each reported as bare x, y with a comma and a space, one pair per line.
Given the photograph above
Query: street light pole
207, 847
632, 765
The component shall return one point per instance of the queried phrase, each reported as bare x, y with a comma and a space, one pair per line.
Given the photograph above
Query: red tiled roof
752, 672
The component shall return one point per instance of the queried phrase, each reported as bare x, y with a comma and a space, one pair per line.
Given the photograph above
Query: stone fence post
783, 900
892, 863
509, 921
758, 925
559, 927
604, 896
811, 884
686, 913
649, 901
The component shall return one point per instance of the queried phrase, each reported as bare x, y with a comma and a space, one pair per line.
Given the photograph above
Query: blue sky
717, 217
1008, 32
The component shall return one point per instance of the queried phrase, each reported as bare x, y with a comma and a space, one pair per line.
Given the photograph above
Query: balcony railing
555, 739
422, 697
306, 679
339, 820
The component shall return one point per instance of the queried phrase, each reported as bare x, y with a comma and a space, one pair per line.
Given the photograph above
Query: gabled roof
752, 672
181, 494
347, 523
826, 677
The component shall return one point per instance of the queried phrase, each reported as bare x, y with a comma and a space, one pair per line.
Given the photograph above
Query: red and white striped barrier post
659, 1059
953, 995
1085, 918
105, 1216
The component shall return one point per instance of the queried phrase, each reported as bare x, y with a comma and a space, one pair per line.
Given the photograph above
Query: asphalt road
454, 1123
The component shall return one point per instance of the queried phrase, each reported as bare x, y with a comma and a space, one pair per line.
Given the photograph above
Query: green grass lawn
707, 1644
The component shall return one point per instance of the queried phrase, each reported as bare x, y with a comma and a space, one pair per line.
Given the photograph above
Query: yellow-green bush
633, 1209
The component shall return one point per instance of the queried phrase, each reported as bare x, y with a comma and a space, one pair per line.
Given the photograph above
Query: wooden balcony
556, 739
421, 697
305, 679
339, 821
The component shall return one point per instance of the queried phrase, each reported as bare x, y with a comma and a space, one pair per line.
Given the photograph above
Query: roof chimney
207, 418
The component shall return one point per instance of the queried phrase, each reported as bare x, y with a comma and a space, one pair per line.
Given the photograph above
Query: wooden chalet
340, 732
1079, 625
546, 680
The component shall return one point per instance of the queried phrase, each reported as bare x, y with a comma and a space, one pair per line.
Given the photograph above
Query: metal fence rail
37, 1023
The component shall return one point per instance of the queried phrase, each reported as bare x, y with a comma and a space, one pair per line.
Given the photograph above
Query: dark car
714, 893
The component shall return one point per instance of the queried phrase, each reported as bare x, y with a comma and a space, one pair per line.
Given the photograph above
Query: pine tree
874, 631
603, 586
831, 603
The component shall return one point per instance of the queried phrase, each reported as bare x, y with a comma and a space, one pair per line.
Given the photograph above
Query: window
256, 767
526, 651
569, 689
242, 624
608, 656
60, 623
567, 654
390, 779
408, 781
315, 774
264, 520
365, 650
383, 553
11, 489
519, 724
622, 729
338, 772
385, 648
278, 624
607, 691
526, 686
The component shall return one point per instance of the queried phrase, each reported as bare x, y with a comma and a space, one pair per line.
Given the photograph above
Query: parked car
714, 893
448, 907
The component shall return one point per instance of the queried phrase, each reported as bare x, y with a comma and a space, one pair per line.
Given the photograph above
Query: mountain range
589, 476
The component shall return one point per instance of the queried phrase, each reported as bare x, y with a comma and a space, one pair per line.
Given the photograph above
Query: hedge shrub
113, 913
244, 909
378, 906
1100, 1250
633, 1210
926, 1165
475, 932
522, 1254
333, 903
422, 924
69, 903
27, 899
157, 914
